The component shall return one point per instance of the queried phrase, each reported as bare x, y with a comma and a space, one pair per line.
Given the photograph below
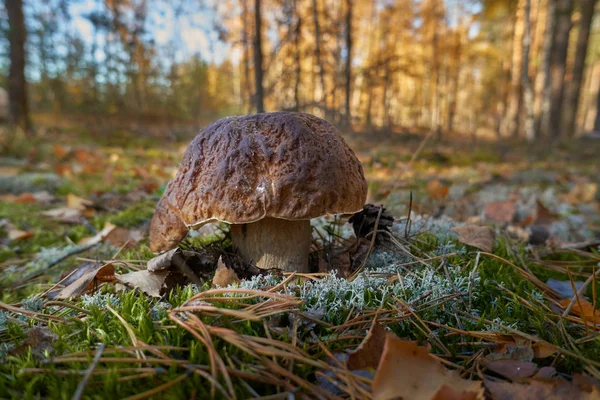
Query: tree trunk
246, 57
597, 119
297, 57
541, 106
511, 119
348, 72
258, 58
525, 81
17, 85
558, 65
572, 97
323, 93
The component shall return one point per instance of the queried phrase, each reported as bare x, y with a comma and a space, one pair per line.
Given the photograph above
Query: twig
88, 373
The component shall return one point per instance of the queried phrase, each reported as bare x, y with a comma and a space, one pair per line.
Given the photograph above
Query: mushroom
267, 175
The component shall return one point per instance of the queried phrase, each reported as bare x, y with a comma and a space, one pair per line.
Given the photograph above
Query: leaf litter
215, 316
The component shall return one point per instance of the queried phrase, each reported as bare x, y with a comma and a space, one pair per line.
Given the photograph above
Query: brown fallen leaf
437, 190
148, 282
39, 339
481, 237
582, 193
224, 276
556, 389
543, 350
17, 234
512, 369
90, 274
583, 308
64, 214
410, 372
368, 353
500, 211
119, 237
100, 236
77, 203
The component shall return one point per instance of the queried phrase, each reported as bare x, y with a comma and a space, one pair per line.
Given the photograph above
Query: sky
190, 33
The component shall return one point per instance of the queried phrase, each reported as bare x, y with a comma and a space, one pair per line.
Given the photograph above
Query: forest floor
488, 266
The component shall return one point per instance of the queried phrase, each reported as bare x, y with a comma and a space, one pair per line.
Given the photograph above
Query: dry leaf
77, 203
64, 214
543, 350
224, 276
582, 193
481, 237
368, 353
408, 371
17, 234
556, 389
119, 237
437, 190
512, 369
583, 308
39, 339
90, 274
148, 282
100, 236
500, 211
60, 151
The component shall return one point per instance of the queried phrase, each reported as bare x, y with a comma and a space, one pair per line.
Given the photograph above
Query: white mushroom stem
274, 243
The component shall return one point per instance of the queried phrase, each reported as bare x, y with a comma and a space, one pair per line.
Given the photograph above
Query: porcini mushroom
267, 175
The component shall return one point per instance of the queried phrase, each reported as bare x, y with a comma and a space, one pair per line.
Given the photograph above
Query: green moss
135, 214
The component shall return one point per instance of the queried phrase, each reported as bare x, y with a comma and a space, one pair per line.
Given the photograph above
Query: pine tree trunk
558, 65
348, 72
323, 92
258, 59
526, 82
17, 85
571, 104
511, 119
297, 32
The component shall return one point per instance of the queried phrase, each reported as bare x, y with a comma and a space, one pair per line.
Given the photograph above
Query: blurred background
524, 69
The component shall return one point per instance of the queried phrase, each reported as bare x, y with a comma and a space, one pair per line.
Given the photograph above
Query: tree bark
348, 72
17, 84
558, 65
574, 89
511, 119
525, 81
258, 59
541, 106
297, 32
247, 90
322, 94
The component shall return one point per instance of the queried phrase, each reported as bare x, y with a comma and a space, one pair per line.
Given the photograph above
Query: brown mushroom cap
242, 169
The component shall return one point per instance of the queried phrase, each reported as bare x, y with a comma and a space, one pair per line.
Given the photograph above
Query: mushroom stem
274, 243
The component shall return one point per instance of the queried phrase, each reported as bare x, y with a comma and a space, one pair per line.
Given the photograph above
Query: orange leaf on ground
586, 310
17, 234
437, 190
410, 372
481, 237
500, 211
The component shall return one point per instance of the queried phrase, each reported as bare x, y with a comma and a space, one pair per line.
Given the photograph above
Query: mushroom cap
283, 165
